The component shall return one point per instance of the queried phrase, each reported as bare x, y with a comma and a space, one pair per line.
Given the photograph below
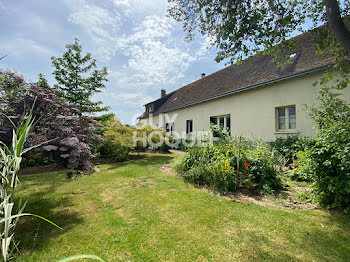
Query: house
256, 98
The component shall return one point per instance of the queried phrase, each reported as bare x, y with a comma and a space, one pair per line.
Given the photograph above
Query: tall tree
78, 78
241, 28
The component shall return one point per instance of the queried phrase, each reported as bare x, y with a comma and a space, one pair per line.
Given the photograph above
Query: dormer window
149, 108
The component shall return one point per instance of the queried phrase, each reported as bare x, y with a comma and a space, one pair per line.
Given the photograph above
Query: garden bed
296, 196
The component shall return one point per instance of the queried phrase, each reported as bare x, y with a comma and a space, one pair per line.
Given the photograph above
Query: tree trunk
337, 25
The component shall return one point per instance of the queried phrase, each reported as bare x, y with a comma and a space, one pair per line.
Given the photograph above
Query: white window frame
287, 122
225, 121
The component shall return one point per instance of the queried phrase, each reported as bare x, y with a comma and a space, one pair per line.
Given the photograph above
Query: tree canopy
78, 78
240, 28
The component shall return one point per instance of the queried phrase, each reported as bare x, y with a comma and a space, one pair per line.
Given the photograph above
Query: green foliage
242, 28
78, 78
287, 147
219, 132
217, 166
326, 161
147, 137
42, 82
303, 163
37, 158
330, 157
105, 119
293, 149
10, 161
103, 122
117, 141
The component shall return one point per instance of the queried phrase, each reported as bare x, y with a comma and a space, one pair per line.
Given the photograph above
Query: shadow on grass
32, 232
149, 160
330, 245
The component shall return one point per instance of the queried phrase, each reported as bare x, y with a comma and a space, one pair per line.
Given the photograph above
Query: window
170, 128
149, 109
286, 118
189, 126
222, 121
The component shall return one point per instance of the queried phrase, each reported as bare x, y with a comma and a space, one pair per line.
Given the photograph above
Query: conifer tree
78, 78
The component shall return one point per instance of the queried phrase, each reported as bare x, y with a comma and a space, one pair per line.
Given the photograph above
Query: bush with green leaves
147, 137
326, 160
287, 147
217, 166
259, 172
291, 146
302, 171
117, 141
37, 158
330, 157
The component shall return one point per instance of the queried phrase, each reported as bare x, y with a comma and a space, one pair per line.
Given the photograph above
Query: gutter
249, 87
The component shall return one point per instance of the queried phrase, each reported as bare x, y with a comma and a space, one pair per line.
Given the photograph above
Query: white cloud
154, 59
25, 46
152, 47
205, 47
99, 23
123, 99
136, 8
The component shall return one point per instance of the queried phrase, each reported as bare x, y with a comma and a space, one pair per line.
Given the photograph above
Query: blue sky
143, 49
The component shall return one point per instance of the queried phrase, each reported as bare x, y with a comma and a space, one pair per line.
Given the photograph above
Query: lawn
132, 211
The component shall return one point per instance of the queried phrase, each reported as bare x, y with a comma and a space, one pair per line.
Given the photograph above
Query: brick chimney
162, 93
203, 75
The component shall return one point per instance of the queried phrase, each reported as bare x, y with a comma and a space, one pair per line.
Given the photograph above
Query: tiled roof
253, 72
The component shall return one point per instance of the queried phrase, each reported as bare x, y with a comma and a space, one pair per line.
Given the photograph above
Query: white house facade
256, 99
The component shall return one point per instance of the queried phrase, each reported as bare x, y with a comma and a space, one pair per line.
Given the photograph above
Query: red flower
246, 164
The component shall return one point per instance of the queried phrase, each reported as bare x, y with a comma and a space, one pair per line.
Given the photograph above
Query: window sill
286, 132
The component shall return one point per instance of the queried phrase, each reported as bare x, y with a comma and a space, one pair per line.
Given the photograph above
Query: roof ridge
252, 71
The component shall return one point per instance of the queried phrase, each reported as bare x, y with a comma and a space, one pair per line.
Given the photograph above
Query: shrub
329, 157
151, 138
328, 165
215, 165
303, 164
219, 132
287, 147
36, 158
117, 141
259, 168
71, 135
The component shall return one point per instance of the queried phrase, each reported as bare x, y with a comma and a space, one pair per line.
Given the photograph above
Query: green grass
133, 212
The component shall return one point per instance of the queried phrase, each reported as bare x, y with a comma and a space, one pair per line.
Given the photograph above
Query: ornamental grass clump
10, 161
